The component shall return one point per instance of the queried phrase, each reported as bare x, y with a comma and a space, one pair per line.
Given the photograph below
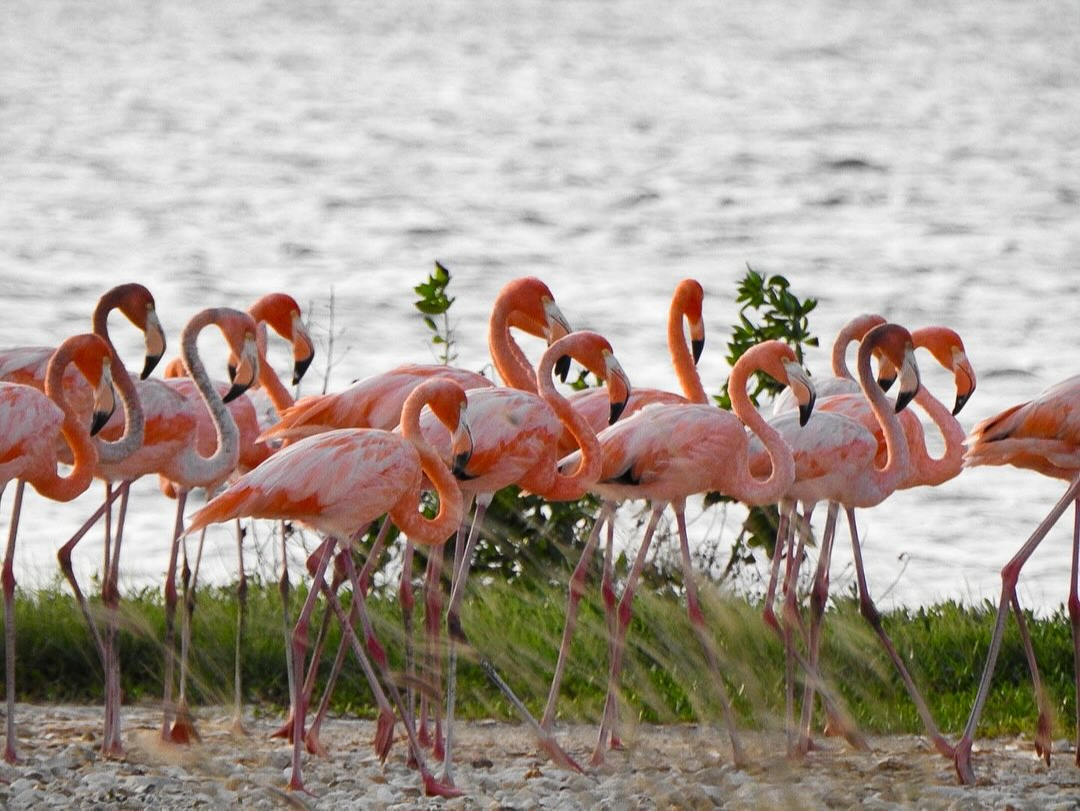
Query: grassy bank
665, 678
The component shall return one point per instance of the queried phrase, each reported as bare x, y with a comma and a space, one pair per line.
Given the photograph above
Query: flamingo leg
168, 710
1074, 618
299, 643
8, 578
611, 606
697, 619
1009, 576
1043, 744
791, 618
625, 612
284, 589
768, 613
110, 593
183, 729
241, 623
432, 787
576, 591
433, 605
819, 597
407, 598
457, 635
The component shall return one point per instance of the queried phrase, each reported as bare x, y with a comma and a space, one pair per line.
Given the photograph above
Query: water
915, 160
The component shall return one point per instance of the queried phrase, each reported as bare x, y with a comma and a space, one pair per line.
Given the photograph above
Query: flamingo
118, 439
338, 482
526, 304
281, 313
667, 453
30, 425
1043, 435
924, 470
516, 435
686, 306
170, 448
836, 460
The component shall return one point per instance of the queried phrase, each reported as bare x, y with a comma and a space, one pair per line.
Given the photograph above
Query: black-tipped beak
961, 401
461, 461
100, 419
562, 367
697, 347
149, 365
886, 381
234, 392
300, 367
806, 409
903, 398
616, 411
232, 370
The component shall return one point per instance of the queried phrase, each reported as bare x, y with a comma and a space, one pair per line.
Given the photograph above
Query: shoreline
498, 766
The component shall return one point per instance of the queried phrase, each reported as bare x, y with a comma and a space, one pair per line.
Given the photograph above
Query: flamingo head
948, 349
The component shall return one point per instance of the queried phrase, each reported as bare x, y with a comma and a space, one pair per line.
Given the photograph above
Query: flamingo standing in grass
526, 304
669, 452
1043, 435
122, 436
338, 482
686, 308
281, 313
30, 425
516, 436
923, 470
837, 460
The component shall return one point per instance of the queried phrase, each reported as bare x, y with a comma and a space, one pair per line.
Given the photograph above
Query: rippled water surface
916, 159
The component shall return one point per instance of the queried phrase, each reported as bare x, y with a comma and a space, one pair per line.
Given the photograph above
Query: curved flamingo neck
897, 459
853, 330
681, 358
926, 470
134, 419
406, 515
572, 486
771, 489
75, 433
277, 392
510, 360
201, 469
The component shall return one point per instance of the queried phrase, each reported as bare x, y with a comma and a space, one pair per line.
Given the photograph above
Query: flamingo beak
965, 381
462, 449
909, 380
300, 366
303, 349
104, 400
246, 371
618, 386
155, 343
798, 380
697, 338
557, 327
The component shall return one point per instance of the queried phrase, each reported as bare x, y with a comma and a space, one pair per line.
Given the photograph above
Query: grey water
921, 160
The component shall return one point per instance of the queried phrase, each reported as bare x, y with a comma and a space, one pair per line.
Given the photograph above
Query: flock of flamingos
337, 462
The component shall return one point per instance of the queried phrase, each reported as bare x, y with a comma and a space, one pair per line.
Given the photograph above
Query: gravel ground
662, 767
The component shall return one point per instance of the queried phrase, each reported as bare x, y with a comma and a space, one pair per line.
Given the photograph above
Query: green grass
665, 677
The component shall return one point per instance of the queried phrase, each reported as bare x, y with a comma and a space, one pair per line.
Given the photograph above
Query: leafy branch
433, 303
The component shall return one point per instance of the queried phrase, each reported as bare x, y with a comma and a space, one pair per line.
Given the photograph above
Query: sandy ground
661, 767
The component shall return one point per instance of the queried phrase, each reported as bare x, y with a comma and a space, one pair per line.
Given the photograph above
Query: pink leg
284, 589
183, 728
783, 538
1074, 618
697, 619
241, 623
112, 745
611, 615
8, 578
1009, 575
170, 619
433, 606
576, 590
299, 643
457, 635
819, 597
407, 598
1043, 745
625, 612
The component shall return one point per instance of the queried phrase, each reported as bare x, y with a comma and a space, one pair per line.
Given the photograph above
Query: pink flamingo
30, 425
281, 313
1041, 435
592, 404
118, 439
835, 461
667, 453
338, 482
516, 435
526, 304
924, 470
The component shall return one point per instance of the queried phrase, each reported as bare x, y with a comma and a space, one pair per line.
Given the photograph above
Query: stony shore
661, 767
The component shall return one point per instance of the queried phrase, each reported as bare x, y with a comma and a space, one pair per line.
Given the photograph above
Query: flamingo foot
296, 783
558, 755
1043, 745
616, 743
384, 735
183, 728
433, 788
423, 737
314, 744
438, 748
114, 751
962, 762
597, 758
238, 730
9, 754
285, 730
